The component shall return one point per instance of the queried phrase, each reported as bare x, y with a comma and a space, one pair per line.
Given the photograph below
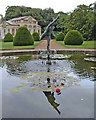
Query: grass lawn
86, 44
9, 46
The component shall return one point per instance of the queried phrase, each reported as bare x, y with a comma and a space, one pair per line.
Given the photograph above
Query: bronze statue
47, 33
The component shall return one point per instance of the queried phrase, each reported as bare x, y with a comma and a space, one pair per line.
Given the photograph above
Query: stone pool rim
32, 51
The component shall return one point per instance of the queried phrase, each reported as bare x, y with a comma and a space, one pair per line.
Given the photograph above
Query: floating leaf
15, 90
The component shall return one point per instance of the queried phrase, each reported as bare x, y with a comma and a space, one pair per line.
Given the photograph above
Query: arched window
34, 29
13, 32
8, 30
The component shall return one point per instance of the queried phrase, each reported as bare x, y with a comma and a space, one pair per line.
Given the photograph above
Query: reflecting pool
26, 92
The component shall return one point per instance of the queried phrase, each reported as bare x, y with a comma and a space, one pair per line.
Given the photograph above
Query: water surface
21, 101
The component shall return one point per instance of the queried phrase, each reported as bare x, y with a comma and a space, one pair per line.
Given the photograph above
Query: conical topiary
23, 37
8, 38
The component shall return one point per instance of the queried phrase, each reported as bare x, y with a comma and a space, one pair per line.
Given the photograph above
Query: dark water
21, 101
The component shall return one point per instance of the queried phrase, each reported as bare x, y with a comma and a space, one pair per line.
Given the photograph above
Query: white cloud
57, 5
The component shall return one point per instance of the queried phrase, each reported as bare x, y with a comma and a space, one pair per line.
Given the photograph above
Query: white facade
12, 25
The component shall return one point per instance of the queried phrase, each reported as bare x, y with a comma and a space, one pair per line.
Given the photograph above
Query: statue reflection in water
51, 99
50, 95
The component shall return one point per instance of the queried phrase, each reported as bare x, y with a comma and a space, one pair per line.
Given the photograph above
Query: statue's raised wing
52, 23
49, 28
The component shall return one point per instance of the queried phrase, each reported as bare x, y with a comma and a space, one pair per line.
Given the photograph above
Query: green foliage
73, 37
23, 37
60, 37
61, 22
8, 38
81, 19
36, 36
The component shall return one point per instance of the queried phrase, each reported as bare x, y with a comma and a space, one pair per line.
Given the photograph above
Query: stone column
11, 30
14, 31
40, 30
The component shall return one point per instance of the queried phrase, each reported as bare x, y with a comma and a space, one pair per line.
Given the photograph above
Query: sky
57, 5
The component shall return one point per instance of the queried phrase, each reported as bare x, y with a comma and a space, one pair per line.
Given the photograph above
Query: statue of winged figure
48, 32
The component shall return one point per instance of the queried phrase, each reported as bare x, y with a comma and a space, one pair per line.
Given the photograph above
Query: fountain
49, 56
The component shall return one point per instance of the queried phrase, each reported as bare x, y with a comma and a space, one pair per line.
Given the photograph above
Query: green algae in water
38, 81
24, 57
17, 88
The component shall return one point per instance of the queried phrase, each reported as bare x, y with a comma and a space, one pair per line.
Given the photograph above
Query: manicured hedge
36, 36
8, 38
23, 37
60, 37
73, 37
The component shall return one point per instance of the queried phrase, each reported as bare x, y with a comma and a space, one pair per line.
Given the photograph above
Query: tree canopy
81, 19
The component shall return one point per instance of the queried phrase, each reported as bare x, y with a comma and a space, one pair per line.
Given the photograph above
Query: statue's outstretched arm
43, 35
51, 23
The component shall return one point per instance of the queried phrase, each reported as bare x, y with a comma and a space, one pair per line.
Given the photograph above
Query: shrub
73, 37
8, 38
60, 37
23, 37
36, 36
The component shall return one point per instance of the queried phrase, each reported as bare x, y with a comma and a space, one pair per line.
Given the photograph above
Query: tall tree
82, 19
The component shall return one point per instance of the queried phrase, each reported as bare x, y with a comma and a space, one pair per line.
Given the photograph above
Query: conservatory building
12, 25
